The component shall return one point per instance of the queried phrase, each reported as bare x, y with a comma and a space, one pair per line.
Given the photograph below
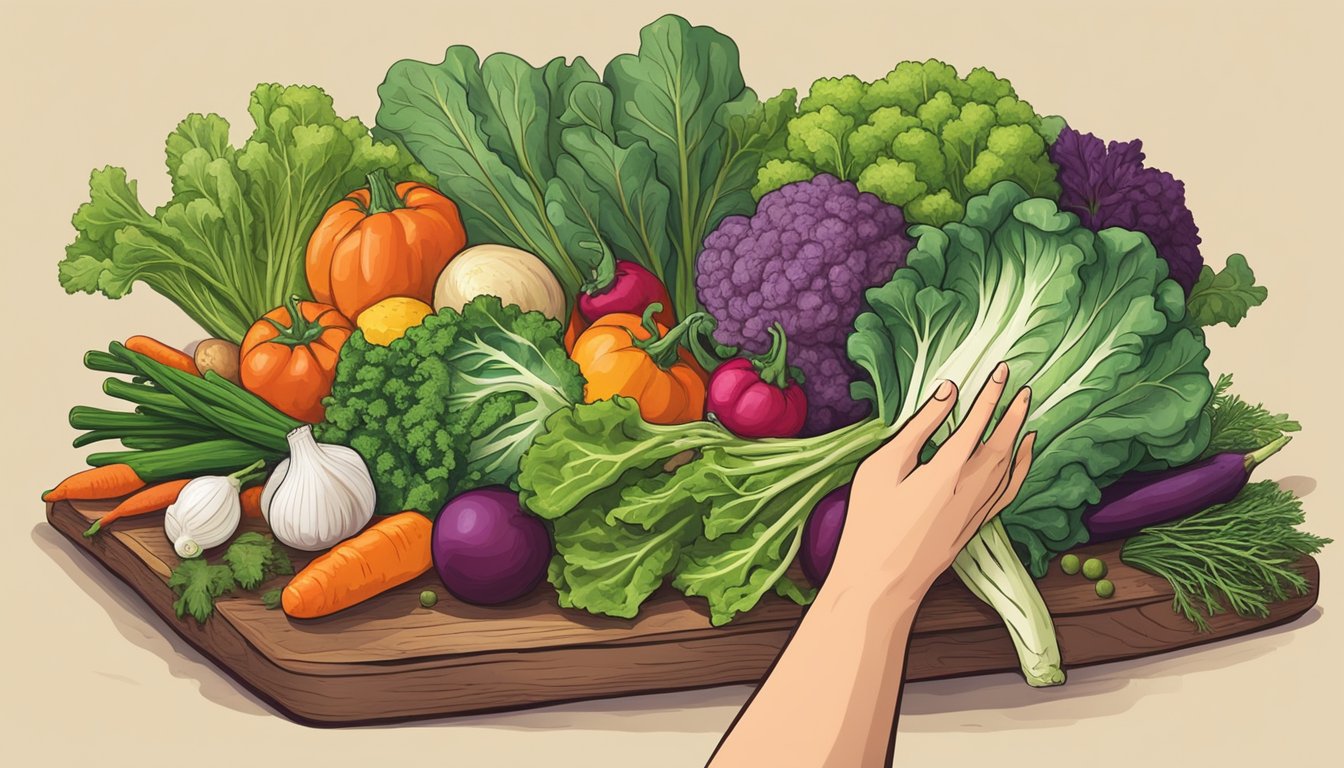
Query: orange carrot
106, 482
151, 499
393, 551
252, 501
159, 352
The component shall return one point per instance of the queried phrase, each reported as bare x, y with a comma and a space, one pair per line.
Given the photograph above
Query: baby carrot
106, 482
251, 499
151, 499
162, 353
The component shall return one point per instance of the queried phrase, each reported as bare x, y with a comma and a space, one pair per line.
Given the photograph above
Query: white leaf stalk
992, 571
319, 496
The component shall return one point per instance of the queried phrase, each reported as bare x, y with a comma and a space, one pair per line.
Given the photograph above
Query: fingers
901, 454
1006, 487
1021, 466
967, 437
1004, 437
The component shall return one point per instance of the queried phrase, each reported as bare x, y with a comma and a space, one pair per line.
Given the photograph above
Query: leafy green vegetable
1226, 296
228, 246
1239, 556
197, 584
553, 160
255, 557
453, 404
271, 598
921, 138
1239, 427
1087, 320
251, 559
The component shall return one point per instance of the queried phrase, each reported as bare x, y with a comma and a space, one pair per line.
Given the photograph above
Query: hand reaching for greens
906, 523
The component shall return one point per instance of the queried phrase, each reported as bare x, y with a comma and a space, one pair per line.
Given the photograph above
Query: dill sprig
1241, 555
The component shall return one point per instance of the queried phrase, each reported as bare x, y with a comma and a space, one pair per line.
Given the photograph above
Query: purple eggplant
1142, 499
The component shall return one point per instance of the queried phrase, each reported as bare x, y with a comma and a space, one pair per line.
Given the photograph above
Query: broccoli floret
803, 261
451, 405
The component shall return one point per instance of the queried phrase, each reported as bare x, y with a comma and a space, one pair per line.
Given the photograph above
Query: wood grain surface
390, 659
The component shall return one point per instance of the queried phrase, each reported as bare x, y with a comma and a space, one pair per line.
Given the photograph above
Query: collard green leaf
1225, 296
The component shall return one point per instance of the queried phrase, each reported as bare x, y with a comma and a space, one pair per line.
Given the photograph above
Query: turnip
515, 276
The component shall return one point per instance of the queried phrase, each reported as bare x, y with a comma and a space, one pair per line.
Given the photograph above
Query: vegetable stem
663, 349
301, 331
773, 365
1256, 458
382, 194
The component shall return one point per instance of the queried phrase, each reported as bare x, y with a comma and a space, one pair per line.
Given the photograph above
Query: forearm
831, 697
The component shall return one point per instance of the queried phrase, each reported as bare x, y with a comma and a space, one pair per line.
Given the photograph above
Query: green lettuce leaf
1226, 296
1086, 320
228, 246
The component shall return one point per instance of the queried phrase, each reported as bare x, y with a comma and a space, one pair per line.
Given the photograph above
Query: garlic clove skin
206, 513
321, 495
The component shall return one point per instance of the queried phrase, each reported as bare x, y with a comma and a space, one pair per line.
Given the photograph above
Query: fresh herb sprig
1239, 556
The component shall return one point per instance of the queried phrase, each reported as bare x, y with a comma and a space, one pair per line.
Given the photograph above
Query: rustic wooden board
391, 659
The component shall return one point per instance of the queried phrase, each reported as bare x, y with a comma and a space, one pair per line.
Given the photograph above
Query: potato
219, 356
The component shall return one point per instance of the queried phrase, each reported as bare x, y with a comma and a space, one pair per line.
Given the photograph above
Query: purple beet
821, 535
487, 550
1143, 499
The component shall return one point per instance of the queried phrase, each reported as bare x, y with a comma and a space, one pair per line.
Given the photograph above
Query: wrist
893, 602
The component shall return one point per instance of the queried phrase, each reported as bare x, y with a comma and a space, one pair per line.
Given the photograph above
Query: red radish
759, 397
821, 535
624, 286
1143, 499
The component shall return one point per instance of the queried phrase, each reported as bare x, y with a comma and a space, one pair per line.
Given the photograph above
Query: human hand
906, 521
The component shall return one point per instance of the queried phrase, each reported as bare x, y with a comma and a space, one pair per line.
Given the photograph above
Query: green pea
1105, 588
1069, 564
428, 598
1094, 569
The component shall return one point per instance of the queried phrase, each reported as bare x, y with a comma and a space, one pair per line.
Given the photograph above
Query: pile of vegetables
631, 330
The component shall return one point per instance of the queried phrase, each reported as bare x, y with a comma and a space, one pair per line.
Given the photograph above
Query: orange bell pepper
640, 358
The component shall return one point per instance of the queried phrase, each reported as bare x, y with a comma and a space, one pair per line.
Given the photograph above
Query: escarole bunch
1087, 320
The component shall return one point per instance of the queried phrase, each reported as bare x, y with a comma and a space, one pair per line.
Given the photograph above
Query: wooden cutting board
391, 659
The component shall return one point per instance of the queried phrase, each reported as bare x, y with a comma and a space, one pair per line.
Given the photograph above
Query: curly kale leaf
453, 404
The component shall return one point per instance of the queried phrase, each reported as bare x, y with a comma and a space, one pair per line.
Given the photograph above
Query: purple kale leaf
1107, 185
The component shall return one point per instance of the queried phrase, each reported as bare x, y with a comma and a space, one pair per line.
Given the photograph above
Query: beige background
1243, 105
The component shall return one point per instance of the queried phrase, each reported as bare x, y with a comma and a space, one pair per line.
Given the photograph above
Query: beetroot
624, 286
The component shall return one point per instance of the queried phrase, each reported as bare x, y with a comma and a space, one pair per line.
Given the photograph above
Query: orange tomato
382, 242
624, 354
288, 357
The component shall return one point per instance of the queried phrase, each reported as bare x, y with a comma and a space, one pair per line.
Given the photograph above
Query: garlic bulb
321, 495
206, 513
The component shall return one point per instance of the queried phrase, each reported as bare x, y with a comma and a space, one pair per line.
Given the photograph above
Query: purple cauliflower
1108, 186
803, 261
